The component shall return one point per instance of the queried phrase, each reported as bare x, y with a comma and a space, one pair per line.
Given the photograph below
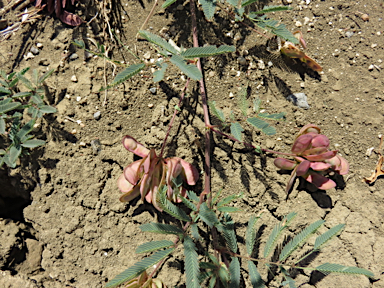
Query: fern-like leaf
236, 130
153, 246
299, 239
161, 228
188, 69
207, 215
139, 267
288, 279
193, 196
195, 232
206, 51
153, 38
245, 3
171, 208
229, 199
276, 232
262, 125
226, 209
4, 90
325, 237
228, 230
269, 130
234, 273
217, 112
191, 263
209, 7
275, 116
250, 235
159, 74
254, 275
188, 203
243, 102
337, 268
125, 75
274, 27
268, 9
8, 106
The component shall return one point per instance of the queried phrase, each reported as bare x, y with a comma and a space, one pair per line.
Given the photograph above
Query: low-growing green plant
16, 135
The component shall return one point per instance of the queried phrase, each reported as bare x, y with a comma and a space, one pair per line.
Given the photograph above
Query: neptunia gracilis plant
313, 159
146, 176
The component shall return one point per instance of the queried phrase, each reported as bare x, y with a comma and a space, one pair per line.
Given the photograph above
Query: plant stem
173, 118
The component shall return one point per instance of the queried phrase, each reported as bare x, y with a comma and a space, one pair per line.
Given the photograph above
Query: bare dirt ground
62, 224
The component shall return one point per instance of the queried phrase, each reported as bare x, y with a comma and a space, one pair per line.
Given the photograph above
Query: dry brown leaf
379, 171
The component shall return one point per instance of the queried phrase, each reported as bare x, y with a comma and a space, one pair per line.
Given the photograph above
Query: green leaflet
45, 76
236, 130
4, 90
33, 143
234, 273
274, 27
288, 279
207, 215
247, 2
125, 75
250, 236
168, 3
227, 228
209, 7
226, 209
153, 246
192, 196
159, 74
254, 275
139, 267
9, 106
188, 69
327, 268
276, 116
195, 232
299, 239
217, 112
325, 237
161, 228
206, 51
25, 81
171, 208
268, 9
229, 199
153, 38
262, 125
188, 203
191, 263
243, 102
276, 232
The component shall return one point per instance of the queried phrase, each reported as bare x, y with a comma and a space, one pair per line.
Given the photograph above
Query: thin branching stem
173, 118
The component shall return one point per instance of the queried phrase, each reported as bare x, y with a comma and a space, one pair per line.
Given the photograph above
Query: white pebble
298, 24
82, 144
231, 95
29, 56
78, 98
39, 45
74, 78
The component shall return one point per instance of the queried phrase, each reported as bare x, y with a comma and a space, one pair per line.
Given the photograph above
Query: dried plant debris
379, 170
58, 7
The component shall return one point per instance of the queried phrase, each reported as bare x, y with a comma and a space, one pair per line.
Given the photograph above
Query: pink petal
145, 185
130, 195
309, 128
284, 164
302, 168
322, 157
320, 166
320, 181
149, 161
291, 180
133, 146
123, 184
174, 168
315, 151
131, 172
189, 172
302, 143
69, 18
320, 141
344, 167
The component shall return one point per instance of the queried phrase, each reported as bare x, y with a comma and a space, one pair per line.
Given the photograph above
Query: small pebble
147, 55
87, 55
242, 61
29, 56
34, 50
82, 144
97, 115
371, 67
298, 24
211, 74
261, 65
231, 95
150, 105
74, 79
74, 56
96, 146
78, 98
365, 17
349, 34
74, 131
286, 2
299, 99
153, 90
39, 45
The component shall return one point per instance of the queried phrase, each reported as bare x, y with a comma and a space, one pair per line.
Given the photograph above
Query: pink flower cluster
313, 159
146, 176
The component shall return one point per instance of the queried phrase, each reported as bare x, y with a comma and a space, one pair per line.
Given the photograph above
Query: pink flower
146, 176
313, 159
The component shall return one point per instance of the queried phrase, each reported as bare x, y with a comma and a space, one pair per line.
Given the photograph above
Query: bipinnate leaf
206, 51
269, 130
8, 106
191, 263
168, 3
153, 38
257, 123
188, 203
139, 267
234, 273
188, 69
236, 130
228, 231
268, 9
276, 232
254, 275
161, 228
207, 215
209, 7
217, 112
247, 2
33, 143
229, 199
153, 246
171, 208
192, 195
250, 235
274, 27
275, 116
325, 237
125, 75
299, 239
327, 268
159, 74
195, 232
